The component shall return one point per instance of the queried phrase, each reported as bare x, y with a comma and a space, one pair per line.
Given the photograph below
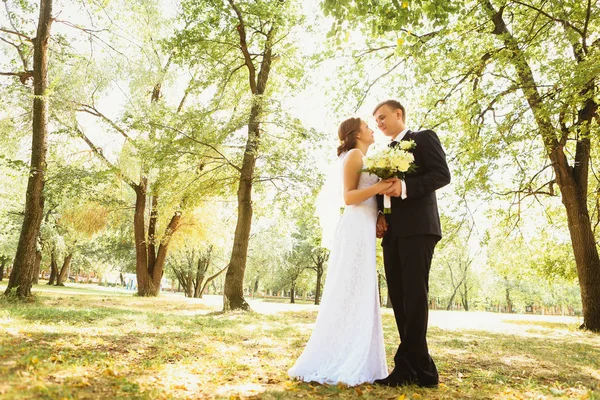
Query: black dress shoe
394, 379
392, 382
429, 385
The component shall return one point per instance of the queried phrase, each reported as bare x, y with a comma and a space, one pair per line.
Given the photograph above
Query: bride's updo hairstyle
347, 134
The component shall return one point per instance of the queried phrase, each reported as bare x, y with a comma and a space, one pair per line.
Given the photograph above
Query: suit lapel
408, 135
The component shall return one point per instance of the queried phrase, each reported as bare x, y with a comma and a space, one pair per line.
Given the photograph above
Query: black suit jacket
418, 213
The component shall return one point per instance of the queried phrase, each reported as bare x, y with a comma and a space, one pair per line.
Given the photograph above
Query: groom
410, 234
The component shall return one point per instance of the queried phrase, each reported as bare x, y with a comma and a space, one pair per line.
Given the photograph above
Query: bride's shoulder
354, 159
354, 154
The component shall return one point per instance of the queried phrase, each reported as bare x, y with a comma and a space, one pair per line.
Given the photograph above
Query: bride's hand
396, 189
384, 186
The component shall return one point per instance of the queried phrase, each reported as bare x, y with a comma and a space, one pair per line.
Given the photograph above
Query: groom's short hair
394, 104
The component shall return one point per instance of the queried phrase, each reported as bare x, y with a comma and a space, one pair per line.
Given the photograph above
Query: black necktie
393, 144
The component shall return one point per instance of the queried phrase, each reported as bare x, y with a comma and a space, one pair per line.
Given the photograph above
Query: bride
346, 344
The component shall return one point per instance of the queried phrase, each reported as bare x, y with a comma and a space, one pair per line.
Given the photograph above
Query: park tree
197, 258
308, 249
452, 274
530, 263
36, 67
265, 260
251, 45
516, 82
166, 152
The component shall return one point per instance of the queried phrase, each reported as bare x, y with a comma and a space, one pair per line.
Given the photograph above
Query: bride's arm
352, 166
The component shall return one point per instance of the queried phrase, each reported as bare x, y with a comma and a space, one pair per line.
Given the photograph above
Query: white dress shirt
398, 138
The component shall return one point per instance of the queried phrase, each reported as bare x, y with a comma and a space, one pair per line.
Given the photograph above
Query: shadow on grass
545, 324
485, 358
71, 316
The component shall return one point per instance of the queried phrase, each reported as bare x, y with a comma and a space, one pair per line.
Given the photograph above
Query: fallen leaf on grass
180, 387
82, 383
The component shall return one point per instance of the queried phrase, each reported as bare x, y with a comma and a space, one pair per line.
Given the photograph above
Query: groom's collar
400, 135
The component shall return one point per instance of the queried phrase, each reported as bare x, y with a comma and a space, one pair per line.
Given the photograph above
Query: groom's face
389, 120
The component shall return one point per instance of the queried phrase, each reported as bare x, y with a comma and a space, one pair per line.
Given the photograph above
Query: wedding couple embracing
347, 343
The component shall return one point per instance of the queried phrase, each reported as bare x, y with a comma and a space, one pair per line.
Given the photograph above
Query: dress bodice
364, 181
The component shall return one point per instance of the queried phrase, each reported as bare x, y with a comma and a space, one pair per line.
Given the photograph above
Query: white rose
403, 165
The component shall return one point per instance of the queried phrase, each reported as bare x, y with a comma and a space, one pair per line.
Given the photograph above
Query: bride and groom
347, 343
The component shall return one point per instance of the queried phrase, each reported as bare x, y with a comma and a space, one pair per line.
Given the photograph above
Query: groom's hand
381, 228
396, 189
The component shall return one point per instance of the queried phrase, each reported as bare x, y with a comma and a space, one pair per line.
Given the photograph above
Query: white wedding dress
346, 344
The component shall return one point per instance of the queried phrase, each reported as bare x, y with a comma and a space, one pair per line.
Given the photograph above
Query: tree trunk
36, 268
234, 279
451, 301
190, 287
318, 289
233, 293
149, 267
465, 296
202, 268
509, 303
182, 282
60, 279
3, 261
292, 294
211, 279
53, 268
586, 256
145, 285
21, 277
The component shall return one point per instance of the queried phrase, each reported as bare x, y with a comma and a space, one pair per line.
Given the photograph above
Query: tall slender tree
22, 274
250, 45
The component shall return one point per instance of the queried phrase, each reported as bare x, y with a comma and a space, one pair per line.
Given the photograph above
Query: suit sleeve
437, 173
379, 198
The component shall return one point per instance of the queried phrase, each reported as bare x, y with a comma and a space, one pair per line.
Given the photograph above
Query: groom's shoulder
425, 135
423, 132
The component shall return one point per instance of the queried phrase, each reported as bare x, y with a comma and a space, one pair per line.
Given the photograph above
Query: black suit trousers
407, 262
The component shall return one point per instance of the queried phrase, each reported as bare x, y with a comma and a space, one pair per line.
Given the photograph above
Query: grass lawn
88, 342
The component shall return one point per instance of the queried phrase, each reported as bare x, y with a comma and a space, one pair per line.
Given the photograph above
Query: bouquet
391, 162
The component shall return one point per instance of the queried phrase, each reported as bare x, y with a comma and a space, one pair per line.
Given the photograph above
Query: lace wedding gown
346, 344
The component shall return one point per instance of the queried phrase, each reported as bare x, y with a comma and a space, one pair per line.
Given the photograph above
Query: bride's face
365, 134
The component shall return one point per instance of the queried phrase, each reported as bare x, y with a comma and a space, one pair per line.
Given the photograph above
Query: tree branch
203, 144
16, 33
244, 47
553, 18
19, 51
95, 112
23, 76
99, 153
586, 24
211, 278
164, 243
366, 92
